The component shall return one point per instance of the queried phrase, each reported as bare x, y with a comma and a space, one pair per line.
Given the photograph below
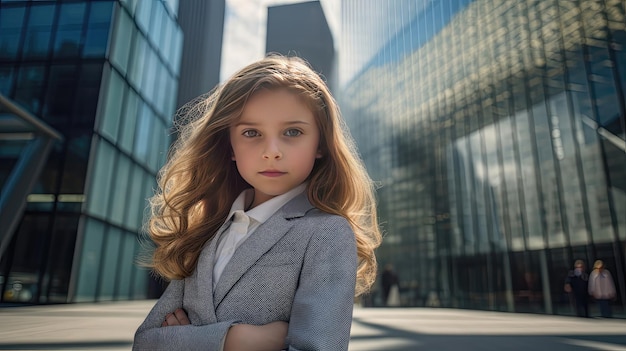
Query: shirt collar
265, 210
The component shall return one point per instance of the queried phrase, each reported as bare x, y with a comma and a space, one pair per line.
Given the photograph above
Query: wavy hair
199, 182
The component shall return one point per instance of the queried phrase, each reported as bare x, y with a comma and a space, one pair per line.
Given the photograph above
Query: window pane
29, 87
138, 59
120, 190
129, 117
11, 20
121, 43
60, 97
143, 14
109, 266
136, 201
7, 75
76, 158
67, 42
87, 95
59, 265
37, 40
113, 106
98, 29
22, 283
126, 270
143, 133
98, 196
89, 262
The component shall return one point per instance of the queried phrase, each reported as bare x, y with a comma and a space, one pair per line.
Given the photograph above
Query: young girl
264, 222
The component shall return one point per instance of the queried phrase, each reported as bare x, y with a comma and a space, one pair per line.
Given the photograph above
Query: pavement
111, 325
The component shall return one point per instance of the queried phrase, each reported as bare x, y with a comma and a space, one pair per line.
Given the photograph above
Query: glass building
105, 75
496, 129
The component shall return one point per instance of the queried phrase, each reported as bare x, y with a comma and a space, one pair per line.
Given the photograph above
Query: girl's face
275, 143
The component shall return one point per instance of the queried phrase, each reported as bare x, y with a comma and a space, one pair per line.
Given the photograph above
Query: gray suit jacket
298, 267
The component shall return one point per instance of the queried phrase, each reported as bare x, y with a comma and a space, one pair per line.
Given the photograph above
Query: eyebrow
288, 123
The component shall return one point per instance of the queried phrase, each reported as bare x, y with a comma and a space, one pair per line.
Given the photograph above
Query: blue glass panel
29, 87
67, 43
11, 20
87, 96
98, 29
60, 94
89, 262
6, 80
37, 39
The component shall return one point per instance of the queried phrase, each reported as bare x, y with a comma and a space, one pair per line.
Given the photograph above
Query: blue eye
292, 132
250, 133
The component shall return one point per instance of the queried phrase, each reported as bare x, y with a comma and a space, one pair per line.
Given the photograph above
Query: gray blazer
298, 267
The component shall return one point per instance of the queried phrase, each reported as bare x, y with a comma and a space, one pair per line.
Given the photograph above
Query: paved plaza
110, 326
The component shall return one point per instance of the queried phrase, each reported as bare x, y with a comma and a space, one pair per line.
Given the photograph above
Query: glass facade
105, 74
496, 129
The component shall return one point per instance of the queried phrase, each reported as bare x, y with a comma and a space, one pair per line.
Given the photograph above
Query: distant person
264, 220
576, 285
602, 288
390, 285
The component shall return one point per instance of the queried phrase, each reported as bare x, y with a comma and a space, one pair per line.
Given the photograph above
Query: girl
264, 222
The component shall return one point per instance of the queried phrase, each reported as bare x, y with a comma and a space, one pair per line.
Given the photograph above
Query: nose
272, 151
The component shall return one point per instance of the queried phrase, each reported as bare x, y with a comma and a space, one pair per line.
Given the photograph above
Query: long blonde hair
199, 182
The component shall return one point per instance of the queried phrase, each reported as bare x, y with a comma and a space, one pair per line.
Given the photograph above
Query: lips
272, 173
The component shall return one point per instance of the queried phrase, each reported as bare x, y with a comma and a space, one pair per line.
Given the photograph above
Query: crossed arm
241, 337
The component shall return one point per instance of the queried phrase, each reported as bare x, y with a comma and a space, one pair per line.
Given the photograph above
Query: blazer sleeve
321, 314
151, 336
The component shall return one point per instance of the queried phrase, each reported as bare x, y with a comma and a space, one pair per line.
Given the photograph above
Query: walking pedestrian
602, 288
576, 285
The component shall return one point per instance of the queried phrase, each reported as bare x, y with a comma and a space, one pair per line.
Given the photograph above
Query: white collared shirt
244, 223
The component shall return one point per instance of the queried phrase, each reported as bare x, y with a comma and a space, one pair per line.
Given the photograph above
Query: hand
178, 317
247, 337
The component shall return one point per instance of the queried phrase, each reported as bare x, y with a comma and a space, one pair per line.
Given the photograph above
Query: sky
245, 28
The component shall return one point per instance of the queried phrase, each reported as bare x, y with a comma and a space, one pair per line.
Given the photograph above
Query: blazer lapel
261, 241
198, 294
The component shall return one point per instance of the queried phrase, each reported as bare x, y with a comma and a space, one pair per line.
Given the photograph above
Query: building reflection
496, 129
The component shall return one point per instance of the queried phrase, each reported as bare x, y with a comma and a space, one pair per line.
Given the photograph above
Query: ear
318, 154
232, 157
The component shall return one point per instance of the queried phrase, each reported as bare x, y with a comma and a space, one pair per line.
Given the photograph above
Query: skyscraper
496, 130
105, 74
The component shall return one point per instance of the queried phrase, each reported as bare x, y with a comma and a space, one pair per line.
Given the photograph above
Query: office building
104, 75
301, 29
496, 129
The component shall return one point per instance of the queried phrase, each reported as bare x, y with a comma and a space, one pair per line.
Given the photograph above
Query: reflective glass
99, 194
7, 80
492, 127
75, 163
59, 265
60, 94
68, 36
89, 262
129, 118
124, 276
38, 32
29, 87
120, 190
110, 115
22, 284
138, 58
11, 21
143, 14
121, 43
143, 133
136, 200
97, 35
110, 264
87, 96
